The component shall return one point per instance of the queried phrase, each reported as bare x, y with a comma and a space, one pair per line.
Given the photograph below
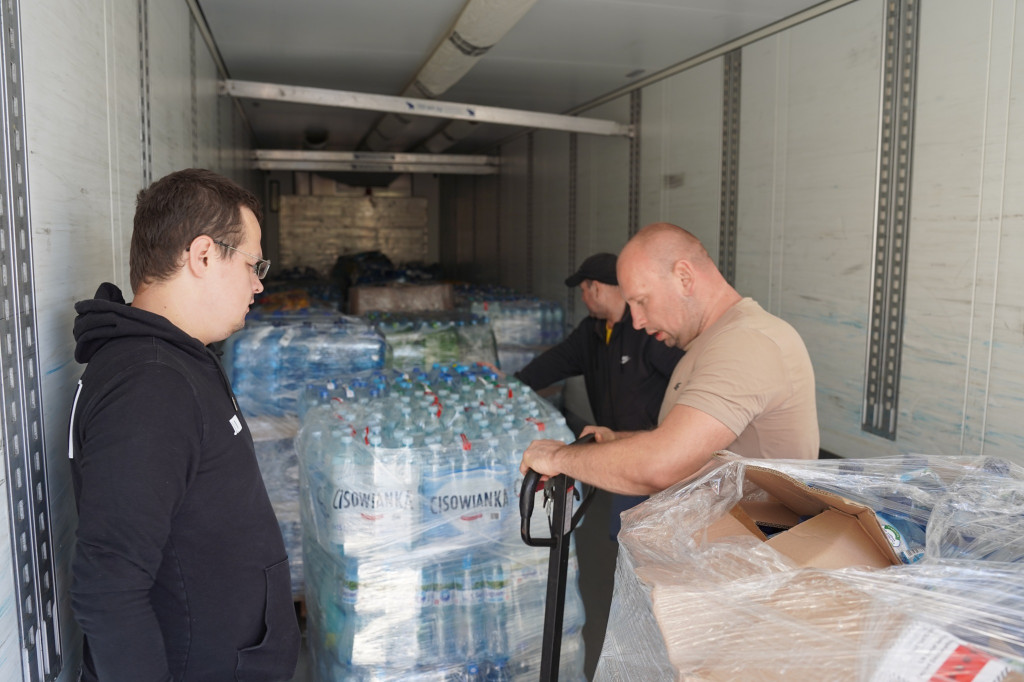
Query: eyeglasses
260, 267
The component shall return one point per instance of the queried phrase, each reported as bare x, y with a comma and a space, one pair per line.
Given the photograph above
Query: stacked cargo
880, 570
422, 339
415, 568
524, 326
272, 359
270, 362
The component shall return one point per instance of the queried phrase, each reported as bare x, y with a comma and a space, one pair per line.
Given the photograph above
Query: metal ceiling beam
374, 162
421, 107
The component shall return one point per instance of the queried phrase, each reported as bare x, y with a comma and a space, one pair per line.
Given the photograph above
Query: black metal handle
531, 483
561, 521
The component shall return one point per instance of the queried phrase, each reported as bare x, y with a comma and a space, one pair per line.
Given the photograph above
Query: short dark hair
176, 209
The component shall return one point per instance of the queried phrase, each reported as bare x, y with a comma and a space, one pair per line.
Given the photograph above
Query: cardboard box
816, 528
398, 297
748, 573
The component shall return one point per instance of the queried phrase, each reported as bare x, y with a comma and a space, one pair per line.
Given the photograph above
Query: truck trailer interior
849, 164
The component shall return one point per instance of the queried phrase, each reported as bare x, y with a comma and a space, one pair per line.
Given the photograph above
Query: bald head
661, 245
671, 284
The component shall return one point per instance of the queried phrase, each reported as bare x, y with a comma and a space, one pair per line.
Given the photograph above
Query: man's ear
199, 253
683, 271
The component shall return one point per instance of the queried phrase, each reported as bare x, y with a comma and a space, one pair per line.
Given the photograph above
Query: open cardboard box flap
822, 529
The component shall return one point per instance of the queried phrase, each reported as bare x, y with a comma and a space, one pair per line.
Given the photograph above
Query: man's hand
602, 434
493, 368
541, 456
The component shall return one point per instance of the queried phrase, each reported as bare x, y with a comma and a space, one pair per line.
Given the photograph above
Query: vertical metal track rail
574, 147
731, 73
497, 223
892, 217
475, 193
529, 212
635, 110
20, 391
147, 133
194, 76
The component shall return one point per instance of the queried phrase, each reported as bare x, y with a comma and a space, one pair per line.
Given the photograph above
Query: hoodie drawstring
71, 425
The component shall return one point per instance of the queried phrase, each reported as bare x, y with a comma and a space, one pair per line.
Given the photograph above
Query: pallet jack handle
560, 491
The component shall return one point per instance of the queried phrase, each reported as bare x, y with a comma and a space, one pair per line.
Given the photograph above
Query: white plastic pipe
479, 27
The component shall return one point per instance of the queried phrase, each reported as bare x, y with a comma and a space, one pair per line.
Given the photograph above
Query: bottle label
496, 592
470, 503
469, 595
369, 506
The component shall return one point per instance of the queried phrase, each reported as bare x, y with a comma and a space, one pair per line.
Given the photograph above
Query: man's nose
638, 319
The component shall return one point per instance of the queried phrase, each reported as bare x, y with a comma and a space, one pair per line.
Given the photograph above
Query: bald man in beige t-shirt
745, 384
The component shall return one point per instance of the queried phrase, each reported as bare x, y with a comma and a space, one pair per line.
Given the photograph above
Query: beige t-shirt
750, 370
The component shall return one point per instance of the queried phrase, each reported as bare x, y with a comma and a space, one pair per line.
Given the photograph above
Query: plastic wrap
424, 339
414, 565
273, 358
524, 326
696, 602
274, 441
523, 321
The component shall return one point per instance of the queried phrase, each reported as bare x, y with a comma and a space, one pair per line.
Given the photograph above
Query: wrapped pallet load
879, 570
415, 569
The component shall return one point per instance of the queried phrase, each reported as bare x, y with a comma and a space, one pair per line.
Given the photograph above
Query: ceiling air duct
479, 27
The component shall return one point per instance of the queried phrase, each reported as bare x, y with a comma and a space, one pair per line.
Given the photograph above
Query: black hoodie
180, 572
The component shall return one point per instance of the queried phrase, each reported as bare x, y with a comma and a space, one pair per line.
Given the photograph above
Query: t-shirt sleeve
736, 378
140, 443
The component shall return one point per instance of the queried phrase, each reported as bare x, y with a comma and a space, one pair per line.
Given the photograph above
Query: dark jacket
626, 378
180, 572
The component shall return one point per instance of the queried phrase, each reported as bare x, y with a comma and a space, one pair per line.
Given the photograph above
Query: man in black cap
626, 373
626, 370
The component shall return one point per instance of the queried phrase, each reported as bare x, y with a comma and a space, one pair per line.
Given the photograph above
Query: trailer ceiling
560, 55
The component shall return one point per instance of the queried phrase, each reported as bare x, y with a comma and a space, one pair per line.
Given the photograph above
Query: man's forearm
639, 463
608, 465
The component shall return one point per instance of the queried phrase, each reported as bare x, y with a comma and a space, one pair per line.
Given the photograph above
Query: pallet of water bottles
409, 501
423, 338
517, 319
524, 326
277, 354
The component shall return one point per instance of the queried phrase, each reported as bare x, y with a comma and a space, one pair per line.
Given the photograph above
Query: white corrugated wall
83, 95
810, 103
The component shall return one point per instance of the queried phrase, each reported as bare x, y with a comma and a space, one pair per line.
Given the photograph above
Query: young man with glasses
180, 572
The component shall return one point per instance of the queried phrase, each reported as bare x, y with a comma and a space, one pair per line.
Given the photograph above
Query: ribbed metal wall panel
84, 124
682, 152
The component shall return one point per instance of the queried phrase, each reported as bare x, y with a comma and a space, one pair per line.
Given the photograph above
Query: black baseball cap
599, 267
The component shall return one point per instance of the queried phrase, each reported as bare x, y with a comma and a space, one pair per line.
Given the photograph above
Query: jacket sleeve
558, 362
139, 442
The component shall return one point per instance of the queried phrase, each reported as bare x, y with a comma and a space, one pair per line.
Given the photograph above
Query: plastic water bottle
437, 478
429, 636
350, 604
906, 536
396, 483
447, 615
469, 602
496, 595
480, 499
351, 480
524, 621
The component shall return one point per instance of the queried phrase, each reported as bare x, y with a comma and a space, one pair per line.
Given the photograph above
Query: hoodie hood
107, 317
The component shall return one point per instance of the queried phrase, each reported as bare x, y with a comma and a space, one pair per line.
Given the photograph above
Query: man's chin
665, 338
